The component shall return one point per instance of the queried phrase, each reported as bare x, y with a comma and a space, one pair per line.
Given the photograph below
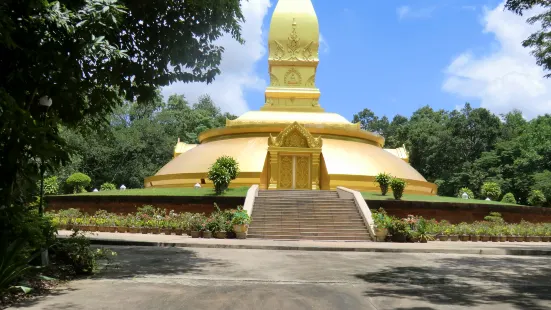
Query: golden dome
292, 142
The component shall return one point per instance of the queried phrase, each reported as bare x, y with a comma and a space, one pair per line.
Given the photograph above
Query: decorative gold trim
274, 81
293, 42
282, 139
311, 82
290, 79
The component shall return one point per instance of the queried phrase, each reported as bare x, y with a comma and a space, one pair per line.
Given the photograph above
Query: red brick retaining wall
461, 212
453, 212
129, 204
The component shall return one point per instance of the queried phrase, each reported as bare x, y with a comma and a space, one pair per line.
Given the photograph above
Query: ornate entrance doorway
294, 158
294, 172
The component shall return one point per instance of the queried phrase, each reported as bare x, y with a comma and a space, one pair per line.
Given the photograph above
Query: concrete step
304, 230
326, 227
320, 238
289, 222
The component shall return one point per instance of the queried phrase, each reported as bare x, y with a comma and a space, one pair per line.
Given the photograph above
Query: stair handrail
252, 193
361, 204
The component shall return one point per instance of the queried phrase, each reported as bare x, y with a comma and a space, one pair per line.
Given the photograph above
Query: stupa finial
293, 58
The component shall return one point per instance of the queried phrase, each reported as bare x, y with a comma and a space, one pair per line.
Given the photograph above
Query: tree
537, 41
89, 55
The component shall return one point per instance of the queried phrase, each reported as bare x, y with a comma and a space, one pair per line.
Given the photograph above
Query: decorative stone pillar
274, 170
316, 171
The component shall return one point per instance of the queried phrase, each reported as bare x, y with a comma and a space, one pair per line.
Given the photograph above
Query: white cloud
237, 67
324, 46
405, 11
508, 78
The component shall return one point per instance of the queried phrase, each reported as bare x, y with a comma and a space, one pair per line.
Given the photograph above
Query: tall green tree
539, 40
89, 55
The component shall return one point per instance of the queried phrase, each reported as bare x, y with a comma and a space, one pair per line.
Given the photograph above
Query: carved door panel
294, 172
302, 172
286, 172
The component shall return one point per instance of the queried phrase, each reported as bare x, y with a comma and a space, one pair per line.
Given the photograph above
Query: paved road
179, 278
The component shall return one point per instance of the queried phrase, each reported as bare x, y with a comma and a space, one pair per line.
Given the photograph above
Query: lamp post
45, 103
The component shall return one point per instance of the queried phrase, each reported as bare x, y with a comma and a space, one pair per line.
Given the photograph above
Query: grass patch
232, 192
412, 197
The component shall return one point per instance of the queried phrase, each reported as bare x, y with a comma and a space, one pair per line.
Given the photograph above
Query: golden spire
293, 46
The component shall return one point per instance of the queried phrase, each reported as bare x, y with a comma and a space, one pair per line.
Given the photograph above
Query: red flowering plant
411, 220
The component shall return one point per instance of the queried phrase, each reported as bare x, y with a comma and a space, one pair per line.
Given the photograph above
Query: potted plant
240, 222
384, 182
422, 233
463, 231
222, 226
197, 225
484, 232
211, 227
382, 223
546, 234
399, 230
475, 232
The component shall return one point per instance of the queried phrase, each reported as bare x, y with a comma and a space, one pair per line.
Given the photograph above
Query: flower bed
493, 228
151, 220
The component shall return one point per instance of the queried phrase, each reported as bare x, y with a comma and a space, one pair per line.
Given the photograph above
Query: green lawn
232, 192
242, 192
411, 197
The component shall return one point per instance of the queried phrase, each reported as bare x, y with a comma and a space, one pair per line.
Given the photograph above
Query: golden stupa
291, 143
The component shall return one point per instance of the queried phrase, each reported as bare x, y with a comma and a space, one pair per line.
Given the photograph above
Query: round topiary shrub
222, 172
384, 180
536, 198
398, 186
509, 198
108, 187
491, 190
78, 182
467, 191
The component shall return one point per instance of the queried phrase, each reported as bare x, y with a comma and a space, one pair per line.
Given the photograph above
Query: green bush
12, 266
222, 172
76, 251
108, 187
51, 186
509, 198
241, 217
491, 190
230, 164
398, 186
384, 180
78, 182
465, 190
536, 198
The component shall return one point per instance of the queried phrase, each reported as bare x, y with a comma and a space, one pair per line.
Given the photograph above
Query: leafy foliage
491, 190
78, 182
384, 180
108, 187
536, 198
398, 186
509, 198
77, 252
537, 41
51, 186
241, 217
466, 190
222, 172
89, 56
13, 263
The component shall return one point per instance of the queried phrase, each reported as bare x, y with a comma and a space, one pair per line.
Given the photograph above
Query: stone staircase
311, 215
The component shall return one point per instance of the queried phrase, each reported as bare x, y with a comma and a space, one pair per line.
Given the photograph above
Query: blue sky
394, 57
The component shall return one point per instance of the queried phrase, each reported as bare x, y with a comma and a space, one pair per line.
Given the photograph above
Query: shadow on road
144, 261
467, 281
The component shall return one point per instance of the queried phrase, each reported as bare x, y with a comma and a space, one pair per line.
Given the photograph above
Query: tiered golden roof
274, 146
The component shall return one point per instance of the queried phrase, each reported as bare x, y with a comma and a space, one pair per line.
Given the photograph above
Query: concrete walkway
484, 248
144, 278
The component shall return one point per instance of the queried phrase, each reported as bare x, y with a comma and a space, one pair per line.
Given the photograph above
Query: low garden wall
461, 212
452, 212
129, 204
